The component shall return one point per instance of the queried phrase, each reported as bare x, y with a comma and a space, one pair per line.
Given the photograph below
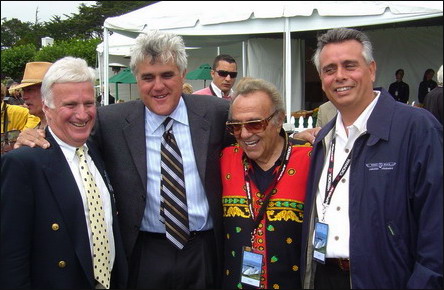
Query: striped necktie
100, 240
173, 207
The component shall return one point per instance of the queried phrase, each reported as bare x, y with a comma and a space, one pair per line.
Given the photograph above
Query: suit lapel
134, 133
200, 132
66, 193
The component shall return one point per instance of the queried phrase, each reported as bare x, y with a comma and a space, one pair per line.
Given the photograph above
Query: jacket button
62, 264
55, 227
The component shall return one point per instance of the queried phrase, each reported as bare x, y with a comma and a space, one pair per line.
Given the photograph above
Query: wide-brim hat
34, 73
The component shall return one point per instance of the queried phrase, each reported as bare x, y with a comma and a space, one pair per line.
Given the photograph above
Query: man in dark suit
47, 238
129, 138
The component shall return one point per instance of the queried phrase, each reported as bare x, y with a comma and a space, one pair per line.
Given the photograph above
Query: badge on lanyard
320, 242
251, 267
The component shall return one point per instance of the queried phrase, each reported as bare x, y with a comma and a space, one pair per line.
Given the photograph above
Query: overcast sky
25, 10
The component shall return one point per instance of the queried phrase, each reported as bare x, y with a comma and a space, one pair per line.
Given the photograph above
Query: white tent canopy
201, 25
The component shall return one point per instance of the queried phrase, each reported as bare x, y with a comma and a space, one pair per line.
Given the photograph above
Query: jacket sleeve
16, 219
426, 180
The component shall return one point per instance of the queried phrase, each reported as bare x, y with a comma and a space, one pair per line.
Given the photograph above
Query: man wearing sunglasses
263, 179
224, 75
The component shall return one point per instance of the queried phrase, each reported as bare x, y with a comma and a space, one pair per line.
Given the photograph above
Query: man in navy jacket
375, 181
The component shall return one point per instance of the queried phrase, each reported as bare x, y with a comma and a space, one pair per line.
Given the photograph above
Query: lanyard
271, 189
331, 186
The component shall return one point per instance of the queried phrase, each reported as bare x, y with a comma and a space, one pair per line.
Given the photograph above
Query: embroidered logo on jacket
381, 166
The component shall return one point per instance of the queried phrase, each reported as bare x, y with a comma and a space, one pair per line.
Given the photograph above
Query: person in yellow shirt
13, 120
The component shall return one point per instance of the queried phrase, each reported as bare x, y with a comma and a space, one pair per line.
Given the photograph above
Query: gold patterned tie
97, 221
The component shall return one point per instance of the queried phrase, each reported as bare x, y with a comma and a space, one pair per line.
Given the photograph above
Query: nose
158, 84
341, 74
244, 133
82, 112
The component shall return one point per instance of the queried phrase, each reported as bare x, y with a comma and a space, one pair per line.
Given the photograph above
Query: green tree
13, 31
85, 49
13, 60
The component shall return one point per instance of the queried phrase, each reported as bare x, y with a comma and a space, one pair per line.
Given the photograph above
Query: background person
15, 95
327, 111
382, 206
224, 74
427, 85
399, 89
13, 120
43, 193
433, 100
31, 84
264, 178
187, 88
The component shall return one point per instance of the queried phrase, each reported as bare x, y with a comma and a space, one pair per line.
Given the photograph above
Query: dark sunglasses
224, 73
255, 126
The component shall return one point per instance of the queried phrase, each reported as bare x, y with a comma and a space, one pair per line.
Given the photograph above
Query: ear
372, 67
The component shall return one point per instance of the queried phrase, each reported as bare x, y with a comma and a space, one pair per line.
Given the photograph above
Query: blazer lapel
67, 195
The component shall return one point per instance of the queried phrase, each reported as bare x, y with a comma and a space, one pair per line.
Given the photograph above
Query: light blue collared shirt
198, 208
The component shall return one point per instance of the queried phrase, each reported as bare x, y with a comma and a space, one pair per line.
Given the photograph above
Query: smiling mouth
80, 125
343, 89
251, 143
159, 97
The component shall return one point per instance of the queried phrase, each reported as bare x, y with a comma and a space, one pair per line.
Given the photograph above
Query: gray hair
65, 70
339, 35
249, 85
155, 46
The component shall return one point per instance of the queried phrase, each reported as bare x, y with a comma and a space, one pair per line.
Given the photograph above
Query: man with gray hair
374, 204
48, 236
131, 137
433, 100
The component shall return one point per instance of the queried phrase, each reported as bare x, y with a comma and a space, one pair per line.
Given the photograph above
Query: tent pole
287, 59
105, 96
244, 59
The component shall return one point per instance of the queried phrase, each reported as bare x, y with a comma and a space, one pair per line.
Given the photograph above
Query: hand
308, 135
32, 138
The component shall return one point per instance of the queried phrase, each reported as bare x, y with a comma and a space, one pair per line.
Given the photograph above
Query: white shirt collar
68, 150
219, 91
360, 125
154, 121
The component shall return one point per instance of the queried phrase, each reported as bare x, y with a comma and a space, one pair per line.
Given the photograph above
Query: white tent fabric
202, 25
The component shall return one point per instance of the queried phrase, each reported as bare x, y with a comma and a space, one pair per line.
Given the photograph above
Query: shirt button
343, 180
347, 150
336, 238
338, 208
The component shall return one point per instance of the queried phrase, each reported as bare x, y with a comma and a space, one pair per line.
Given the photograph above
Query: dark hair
429, 70
224, 57
398, 71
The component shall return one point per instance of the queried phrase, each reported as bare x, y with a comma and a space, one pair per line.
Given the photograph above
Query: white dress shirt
73, 161
198, 208
336, 214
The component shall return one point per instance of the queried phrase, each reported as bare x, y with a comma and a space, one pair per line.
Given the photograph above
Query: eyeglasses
255, 126
224, 73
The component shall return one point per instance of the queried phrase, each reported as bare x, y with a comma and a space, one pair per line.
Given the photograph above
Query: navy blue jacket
395, 200
44, 241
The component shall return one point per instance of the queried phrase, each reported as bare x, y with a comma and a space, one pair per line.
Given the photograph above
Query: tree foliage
78, 35
13, 60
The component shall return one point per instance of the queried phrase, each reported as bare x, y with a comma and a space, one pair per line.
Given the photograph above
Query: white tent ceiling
201, 24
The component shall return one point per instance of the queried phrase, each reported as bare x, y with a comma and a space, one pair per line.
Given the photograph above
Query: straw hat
34, 73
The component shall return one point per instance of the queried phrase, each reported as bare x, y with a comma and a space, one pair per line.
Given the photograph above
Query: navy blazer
120, 135
43, 236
